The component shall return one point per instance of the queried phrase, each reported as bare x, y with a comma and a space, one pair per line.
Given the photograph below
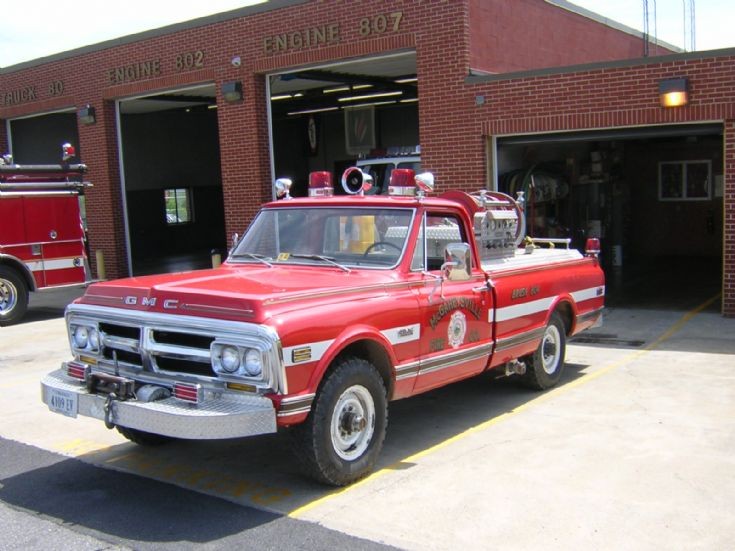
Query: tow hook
515, 367
111, 397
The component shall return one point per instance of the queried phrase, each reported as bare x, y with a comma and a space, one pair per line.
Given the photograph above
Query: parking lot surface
634, 449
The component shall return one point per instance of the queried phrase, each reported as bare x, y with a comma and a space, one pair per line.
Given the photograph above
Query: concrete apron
633, 449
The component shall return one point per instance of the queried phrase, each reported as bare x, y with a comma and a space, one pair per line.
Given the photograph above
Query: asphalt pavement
633, 450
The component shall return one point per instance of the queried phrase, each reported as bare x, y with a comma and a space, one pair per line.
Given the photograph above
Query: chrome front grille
169, 344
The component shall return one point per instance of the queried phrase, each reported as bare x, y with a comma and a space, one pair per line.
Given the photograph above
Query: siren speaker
353, 180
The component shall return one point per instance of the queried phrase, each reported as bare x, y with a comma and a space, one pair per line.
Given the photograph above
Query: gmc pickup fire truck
328, 308
42, 241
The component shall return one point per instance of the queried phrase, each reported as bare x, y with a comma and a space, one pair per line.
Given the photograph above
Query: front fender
348, 337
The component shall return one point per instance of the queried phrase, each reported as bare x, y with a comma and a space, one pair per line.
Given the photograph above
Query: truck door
456, 335
53, 228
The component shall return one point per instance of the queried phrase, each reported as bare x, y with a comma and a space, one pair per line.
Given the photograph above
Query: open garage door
172, 179
38, 139
332, 116
653, 195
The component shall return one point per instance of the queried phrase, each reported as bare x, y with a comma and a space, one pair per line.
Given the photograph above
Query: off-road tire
13, 296
143, 438
353, 386
545, 366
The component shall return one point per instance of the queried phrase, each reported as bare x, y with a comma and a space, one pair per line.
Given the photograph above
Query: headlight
240, 361
230, 359
253, 363
81, 336
85, 338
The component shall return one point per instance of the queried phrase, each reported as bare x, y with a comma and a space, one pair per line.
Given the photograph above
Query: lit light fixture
309, 111
280, 97
371, 96
232, 91
372, 104
406, 80
412, 100
87, 115
674, 92
338, 89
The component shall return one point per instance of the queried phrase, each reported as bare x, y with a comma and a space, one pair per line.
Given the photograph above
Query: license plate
63, 402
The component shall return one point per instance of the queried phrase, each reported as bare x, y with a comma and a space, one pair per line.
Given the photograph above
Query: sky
36, 28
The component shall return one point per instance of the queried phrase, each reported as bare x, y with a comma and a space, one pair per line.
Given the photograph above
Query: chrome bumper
229, 416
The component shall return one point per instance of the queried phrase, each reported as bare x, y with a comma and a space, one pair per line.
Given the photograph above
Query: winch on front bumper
223, 416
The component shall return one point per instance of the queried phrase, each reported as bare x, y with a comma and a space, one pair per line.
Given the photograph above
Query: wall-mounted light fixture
87, 115
232, 91
673, 92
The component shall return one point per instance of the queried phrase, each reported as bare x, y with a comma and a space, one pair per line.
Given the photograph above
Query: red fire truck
328, 308
42, 239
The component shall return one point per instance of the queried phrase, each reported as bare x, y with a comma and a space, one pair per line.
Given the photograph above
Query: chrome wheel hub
550, 349
8, 296
353, 422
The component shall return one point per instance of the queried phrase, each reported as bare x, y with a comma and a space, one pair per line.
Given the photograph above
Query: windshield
341, 236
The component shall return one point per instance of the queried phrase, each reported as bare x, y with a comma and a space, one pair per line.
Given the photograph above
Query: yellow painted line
671, 331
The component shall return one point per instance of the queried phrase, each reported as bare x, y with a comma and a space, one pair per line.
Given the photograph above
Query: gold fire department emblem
457, 329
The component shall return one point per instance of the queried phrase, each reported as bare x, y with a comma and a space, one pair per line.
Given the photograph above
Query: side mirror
457, 262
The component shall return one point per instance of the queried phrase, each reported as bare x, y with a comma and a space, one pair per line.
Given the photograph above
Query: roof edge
476, 77
268, 5
589, 14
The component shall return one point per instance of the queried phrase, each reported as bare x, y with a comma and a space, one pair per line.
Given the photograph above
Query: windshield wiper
323, 259
258, 257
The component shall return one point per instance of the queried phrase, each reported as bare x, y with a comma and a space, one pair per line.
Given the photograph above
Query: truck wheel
341, 439
143, 438
13, 296
545, 366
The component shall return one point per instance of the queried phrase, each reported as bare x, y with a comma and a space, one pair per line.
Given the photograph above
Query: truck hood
238, 293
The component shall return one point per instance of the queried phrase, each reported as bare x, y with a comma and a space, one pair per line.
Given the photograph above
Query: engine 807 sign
331, 33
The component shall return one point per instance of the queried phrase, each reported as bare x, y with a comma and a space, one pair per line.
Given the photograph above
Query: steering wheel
371, 247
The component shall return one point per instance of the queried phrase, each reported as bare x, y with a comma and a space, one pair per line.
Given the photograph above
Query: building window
178, 206
684, 180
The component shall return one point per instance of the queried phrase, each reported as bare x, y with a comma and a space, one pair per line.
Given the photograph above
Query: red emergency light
320, 184
402, 182
592, 247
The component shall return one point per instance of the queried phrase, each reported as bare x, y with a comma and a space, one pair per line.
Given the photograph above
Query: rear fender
18, 265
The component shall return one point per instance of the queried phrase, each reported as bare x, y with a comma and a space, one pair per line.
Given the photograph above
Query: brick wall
531, 34
625, 96
453, 129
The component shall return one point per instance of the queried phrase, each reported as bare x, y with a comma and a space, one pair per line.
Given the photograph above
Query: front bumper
227, 416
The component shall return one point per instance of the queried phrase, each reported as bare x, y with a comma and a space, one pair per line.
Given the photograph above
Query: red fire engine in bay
42, 240
328, 308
